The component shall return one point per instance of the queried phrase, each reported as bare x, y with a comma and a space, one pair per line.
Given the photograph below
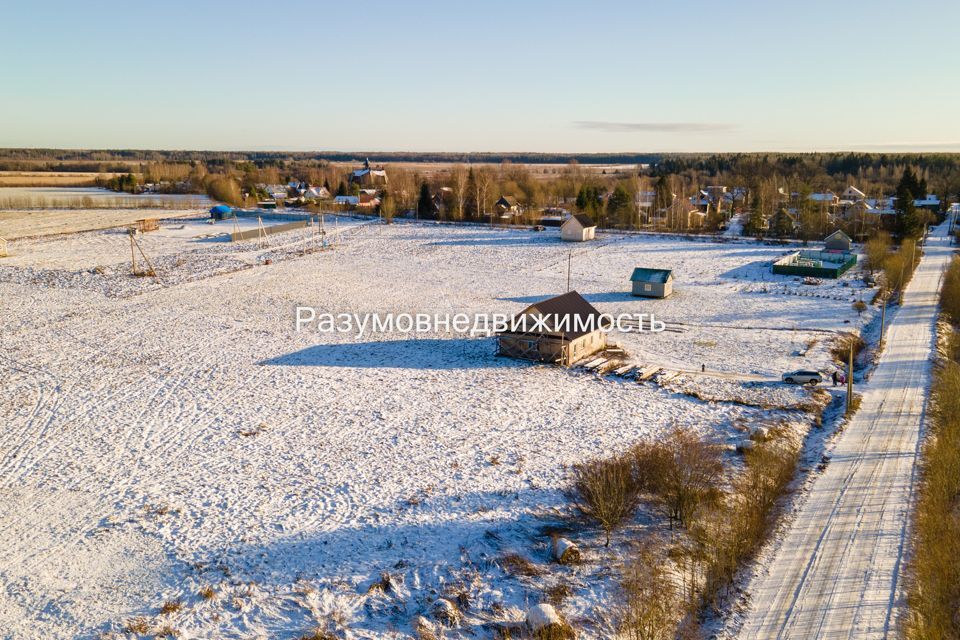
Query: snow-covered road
837, 572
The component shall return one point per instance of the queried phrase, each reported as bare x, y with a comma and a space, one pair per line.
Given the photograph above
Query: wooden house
562, 330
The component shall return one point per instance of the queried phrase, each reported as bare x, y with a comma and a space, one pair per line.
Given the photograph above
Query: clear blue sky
675, 75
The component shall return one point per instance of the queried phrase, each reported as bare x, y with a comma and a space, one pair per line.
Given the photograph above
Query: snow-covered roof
853, 192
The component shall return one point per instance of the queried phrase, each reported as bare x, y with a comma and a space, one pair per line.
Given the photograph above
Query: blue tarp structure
221, 212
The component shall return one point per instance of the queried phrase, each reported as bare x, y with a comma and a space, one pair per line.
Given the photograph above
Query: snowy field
158, 437
40, 211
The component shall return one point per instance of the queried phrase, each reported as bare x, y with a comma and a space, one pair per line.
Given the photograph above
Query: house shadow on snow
430, 353
513, 239
756, 270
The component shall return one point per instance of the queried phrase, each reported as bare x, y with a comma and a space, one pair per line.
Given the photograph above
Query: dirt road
837, 573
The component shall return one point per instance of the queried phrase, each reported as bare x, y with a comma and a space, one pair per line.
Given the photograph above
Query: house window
648, 287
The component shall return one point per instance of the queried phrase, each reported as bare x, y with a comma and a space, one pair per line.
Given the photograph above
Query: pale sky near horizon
599, 76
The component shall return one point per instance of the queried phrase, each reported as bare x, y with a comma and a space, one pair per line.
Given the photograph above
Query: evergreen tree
620, 206
425, 202
470, 205
909, 221
782, 224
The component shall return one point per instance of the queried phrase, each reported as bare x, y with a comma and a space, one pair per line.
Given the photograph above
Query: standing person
703, 368
835, 378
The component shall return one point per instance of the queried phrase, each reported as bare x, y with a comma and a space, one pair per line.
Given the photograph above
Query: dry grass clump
558, 593
318, 634
171, 606
207, 593
138, 625
166, 632
386, 584
934, 571
517, 565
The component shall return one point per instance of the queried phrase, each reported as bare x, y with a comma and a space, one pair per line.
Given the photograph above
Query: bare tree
459, 180
683, 471
606, 491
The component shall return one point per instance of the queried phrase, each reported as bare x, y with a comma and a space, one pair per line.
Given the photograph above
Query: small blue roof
641, 274
221, 208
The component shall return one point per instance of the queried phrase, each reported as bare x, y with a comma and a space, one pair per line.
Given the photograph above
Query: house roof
853, 191
583, 317
642, 274
585, 221
838, 234
510, 200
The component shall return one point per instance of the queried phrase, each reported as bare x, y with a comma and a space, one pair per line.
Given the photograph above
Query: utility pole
569, 261
850, 380
133, 256
883, 316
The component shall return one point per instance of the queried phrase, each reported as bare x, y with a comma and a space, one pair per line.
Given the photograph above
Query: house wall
837, 244
548, 348
576, 233
656, 289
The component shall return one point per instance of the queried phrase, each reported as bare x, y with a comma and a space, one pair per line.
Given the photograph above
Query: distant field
37, 211
539, 171
49, 178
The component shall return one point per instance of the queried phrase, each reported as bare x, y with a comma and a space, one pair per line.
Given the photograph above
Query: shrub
224, 189
842, 345
651, 608
876, 249
605, 490
934, 591
683, 472
950, 295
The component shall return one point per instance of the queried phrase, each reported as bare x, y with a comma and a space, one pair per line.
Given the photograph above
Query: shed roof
585, 221
642, 274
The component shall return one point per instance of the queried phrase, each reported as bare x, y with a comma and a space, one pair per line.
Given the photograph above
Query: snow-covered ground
159, 437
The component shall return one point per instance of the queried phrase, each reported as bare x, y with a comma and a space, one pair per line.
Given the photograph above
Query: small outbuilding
221, 212
652, 283
578, 228
837, 241
562, 330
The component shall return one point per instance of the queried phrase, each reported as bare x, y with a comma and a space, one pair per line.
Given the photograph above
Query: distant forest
81, 159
